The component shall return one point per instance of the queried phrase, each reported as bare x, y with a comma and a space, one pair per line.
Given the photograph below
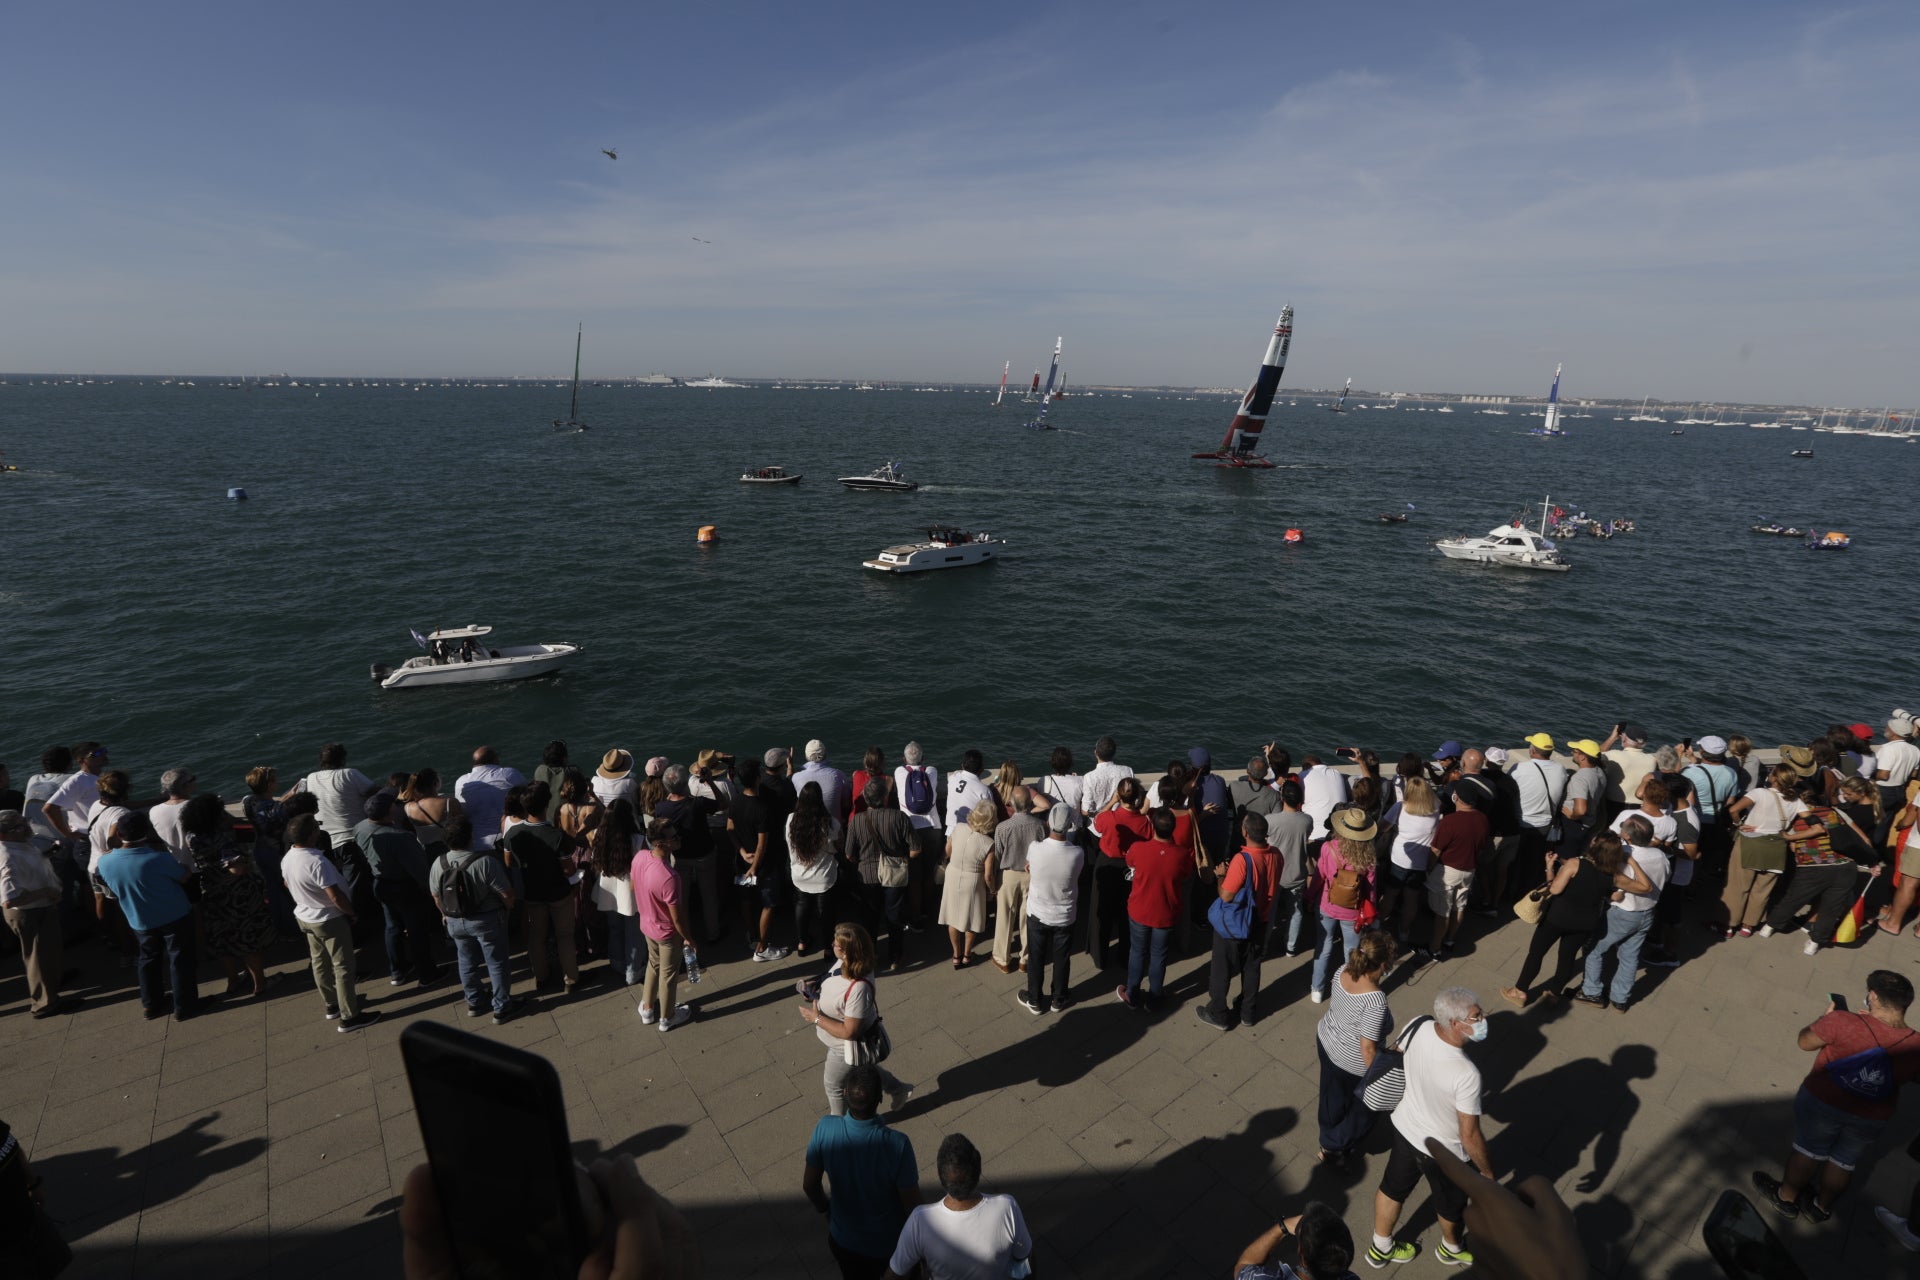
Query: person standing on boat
482, 793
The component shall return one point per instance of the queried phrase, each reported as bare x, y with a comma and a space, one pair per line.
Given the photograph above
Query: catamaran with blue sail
1040, 422
1551, 425
1340, 405
1243, 433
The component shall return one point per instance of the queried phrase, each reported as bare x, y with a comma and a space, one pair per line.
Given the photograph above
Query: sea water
1141, 594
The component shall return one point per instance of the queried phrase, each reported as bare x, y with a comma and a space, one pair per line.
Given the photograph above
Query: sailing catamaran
1060, 392
1340, 405
1039, 422
1243, 433
573, 422
999, 395
1551, 427
1033, 392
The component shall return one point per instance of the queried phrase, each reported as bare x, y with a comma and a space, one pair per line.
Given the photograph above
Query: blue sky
1699, 201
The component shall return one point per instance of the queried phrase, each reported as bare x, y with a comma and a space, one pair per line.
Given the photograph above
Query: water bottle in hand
693, 965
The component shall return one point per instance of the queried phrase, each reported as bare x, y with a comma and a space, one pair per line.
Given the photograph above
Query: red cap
1860, 731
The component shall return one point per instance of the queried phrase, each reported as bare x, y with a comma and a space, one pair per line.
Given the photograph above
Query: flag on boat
417, 637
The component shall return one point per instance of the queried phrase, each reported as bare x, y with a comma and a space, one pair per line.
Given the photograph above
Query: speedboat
1388, 517
1512, 544
460, 655
945, 548
1779, 530
887, 477
768, 475
1832, 540
1802, 453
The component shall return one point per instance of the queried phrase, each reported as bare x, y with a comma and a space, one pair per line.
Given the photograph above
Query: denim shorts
1822, 1131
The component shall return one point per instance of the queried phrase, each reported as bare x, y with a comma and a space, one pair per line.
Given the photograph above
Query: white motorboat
711, 383
769, 475
1513, 545
945, 548
460, 655
887, 477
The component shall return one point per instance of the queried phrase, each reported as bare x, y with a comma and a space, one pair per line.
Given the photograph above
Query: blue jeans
1626, 930
1290, 907
1347, 932
481, 942
169, 954
1146, 956
626, 953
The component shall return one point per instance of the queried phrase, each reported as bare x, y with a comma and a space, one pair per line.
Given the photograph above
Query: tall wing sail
1341, 403
573, 408
1053, 371
1553, 401
1243, 434
1004, 371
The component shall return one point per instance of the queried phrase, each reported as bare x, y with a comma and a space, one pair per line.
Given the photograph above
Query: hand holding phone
1836, 1003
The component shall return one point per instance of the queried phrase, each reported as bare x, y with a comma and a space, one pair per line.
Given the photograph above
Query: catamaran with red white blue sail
1000, 395
1243, 433
1039, 422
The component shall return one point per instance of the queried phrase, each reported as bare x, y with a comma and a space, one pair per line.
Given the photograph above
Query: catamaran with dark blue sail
1243, 433
1040, 422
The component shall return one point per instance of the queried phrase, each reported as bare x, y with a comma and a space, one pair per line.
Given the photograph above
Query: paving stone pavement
257, 1140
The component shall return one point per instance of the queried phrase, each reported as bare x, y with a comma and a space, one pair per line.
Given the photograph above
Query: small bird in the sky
609, 153
703, 241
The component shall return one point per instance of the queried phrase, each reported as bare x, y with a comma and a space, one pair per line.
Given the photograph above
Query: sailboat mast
1004, 371
573, 408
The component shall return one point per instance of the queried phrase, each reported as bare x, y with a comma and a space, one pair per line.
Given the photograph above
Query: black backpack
457, 897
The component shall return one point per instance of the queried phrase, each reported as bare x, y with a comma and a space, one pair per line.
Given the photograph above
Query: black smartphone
1839, 1001
1687, 743
1346, 753
495, 1128
1743, 1244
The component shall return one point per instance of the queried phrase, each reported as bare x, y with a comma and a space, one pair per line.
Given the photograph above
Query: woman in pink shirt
1345, 876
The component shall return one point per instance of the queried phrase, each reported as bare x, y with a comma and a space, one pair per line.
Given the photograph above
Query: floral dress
233, 908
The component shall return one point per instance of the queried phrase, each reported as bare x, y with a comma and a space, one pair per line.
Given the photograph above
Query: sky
1708, 201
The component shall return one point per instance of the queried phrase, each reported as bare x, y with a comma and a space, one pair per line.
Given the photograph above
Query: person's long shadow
117, 1184
1551, 1119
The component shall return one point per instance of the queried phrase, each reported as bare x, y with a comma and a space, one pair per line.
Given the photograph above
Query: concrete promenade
258, 1140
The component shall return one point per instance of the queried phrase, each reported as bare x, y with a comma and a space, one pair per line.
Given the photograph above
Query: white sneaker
1319, 998
1811, 949
1897, 1227
1764, 931
772, 953
899, 1094
647, 1015
682, 1015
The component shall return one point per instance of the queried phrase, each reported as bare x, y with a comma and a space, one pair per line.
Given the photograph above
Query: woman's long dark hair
811, 826
613, 841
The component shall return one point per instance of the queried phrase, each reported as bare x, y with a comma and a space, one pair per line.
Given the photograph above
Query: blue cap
1199, 758
1447, 748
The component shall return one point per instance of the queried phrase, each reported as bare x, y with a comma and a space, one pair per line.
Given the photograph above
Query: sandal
1515, 996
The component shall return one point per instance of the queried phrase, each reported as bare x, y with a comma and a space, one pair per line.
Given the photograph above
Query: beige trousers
1010, 923
660, 987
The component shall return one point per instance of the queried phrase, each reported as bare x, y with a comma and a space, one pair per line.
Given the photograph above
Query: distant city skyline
1711, 202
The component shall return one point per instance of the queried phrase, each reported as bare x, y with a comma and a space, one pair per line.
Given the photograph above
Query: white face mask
1478, 1030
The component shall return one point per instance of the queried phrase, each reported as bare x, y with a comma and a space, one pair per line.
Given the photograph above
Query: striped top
1349, 1019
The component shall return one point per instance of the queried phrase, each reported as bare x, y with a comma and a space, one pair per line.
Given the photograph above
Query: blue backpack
1233, 917
1869, 1073
919, 795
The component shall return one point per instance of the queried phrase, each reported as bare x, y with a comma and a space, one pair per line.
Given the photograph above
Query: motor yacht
945, 548
461, 655
1512, 545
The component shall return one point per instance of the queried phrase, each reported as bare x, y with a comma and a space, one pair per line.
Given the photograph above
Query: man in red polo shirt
1160, 869
1242, 955
1456, 843
1119, 827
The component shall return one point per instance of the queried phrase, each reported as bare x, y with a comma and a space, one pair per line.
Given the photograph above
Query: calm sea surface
1142, 595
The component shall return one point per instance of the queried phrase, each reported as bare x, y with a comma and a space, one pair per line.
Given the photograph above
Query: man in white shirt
1096, 789
342, 793
917, 784
177, 786
1627, 762
835, 787
1324, 789
65, 811
964, 1234
965, 790
325, 915
56, 766
482, 792
1053, 900
30, 894
1628, 920
1542, 783
1893, 767
1442, 1103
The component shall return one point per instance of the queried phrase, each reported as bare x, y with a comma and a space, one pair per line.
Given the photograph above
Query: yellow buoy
708, 533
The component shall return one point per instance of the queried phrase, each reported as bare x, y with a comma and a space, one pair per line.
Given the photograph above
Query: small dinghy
1780, 530
1802, 453
460, 655
768, 475
1388, 517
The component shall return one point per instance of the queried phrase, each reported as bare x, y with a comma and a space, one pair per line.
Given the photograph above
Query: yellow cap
1586, 747
1540, 742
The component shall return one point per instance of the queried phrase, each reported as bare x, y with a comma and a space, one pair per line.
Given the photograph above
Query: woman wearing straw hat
1346, 876
613, 780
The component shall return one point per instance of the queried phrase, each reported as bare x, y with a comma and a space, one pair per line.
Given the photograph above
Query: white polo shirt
1900, 758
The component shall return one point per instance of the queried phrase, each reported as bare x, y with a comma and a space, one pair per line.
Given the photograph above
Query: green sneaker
1452, 1257
1402, 1251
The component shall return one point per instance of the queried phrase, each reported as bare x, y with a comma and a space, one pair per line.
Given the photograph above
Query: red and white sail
998, 395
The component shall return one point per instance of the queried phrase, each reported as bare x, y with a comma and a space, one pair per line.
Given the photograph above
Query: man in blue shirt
151, 887
874, 1178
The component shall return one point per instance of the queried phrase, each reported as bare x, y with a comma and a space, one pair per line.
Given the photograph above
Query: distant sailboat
1060, 392
1243, 433
999, 395
573, 422
1551, 427
1644, 416
1033, 392
1039, 422
1340, 405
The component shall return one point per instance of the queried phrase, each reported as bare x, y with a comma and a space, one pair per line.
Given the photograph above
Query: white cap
816, 750
1496, 755
1713, 745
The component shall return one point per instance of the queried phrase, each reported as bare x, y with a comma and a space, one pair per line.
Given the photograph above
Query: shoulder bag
1533, 906
1386, 1080
1233, 917
1553, 805
871, 1045
1765, 853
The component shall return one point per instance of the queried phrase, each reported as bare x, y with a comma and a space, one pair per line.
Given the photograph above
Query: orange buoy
708, 534
1294, 535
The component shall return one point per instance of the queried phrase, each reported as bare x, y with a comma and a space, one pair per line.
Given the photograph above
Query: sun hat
1495, 755
775, 757
1586, 747
710, 757
1448, 750
1199, 758
1060, 819
1798, 759
1540, 741
615, 765
816, 750
1352, 824
656, 766
1713, 744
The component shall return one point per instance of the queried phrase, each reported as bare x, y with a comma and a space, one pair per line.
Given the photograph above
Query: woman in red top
873, 765
1117, 826
1156, 894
